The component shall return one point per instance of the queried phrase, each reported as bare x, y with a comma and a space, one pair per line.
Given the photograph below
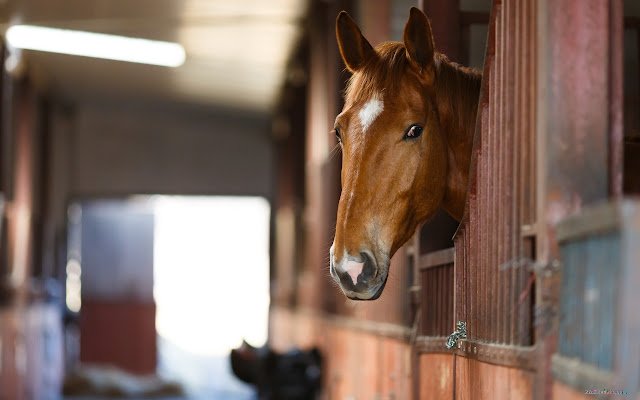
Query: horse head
396, 159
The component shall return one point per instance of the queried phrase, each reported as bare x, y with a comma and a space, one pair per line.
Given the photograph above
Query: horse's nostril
356, 274
369, 269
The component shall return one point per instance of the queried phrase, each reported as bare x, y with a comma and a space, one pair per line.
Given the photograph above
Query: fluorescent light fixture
96, 45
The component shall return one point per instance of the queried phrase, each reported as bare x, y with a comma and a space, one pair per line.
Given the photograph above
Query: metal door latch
459, 333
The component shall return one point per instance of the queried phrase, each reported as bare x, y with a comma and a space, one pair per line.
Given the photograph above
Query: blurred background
168, 188
137, 192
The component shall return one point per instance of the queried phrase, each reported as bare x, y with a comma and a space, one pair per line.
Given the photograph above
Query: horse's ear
354, 48
418, 40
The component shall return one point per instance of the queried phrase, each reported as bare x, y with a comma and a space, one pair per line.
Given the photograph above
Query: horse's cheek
432, 182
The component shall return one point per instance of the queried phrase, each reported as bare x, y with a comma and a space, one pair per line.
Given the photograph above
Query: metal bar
449, 311
472, 241
521, 161
496, 316
514, 159
488, 285
496, 155
437, 316
425, 304
531, 113
529, 217
505, 355
616, 97
505, 172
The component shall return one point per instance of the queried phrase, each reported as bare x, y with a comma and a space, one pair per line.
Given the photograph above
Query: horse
406, 135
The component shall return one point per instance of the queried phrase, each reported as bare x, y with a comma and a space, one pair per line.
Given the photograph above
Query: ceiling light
96, 45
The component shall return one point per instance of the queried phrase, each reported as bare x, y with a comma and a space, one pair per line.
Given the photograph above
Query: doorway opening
211, 274
184, 278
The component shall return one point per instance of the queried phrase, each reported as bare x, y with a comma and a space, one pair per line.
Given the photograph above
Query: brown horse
406, 133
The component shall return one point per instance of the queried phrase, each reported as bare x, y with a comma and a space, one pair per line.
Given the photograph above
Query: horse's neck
460, 90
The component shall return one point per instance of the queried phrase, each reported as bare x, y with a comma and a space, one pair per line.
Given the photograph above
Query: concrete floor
203, 376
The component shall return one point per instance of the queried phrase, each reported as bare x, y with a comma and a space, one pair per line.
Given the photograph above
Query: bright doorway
211, 274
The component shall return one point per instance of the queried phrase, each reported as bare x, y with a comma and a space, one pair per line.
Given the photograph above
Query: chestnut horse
406, 133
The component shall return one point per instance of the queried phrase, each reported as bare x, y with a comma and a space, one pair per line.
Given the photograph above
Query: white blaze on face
370, 112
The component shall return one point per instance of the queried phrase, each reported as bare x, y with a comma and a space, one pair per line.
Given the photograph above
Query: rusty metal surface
577, 105
493, 292
575, 141
437, 300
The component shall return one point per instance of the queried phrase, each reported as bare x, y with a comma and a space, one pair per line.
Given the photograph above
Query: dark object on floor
294, 375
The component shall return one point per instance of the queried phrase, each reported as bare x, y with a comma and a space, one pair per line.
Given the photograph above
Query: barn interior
156, 213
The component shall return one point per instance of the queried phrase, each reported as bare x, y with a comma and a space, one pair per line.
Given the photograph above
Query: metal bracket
459, 333
542, 269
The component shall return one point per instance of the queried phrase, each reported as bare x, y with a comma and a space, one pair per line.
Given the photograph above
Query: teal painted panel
591, 269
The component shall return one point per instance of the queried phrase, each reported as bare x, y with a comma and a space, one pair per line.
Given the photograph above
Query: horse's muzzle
358, 277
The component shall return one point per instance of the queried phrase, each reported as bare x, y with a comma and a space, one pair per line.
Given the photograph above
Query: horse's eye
413, 132
337, 132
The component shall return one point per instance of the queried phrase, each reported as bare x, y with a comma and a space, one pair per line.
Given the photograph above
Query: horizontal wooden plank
383, 329
474, 17
598, 219
579, 375
529, 230
476, 380
431, 345
437, 258
376, 328
350, 356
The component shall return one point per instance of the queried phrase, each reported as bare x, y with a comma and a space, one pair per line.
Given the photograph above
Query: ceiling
236, 49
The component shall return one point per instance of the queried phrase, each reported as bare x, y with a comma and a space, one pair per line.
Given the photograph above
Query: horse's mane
456, 88
380, 73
